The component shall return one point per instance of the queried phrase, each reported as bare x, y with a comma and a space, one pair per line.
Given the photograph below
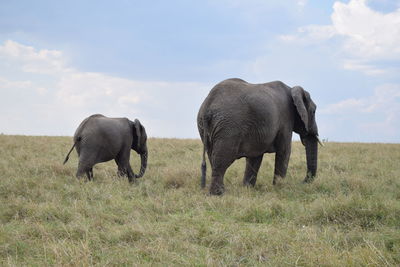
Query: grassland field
349, 216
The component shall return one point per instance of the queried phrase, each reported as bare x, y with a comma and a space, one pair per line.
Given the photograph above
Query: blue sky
61, 61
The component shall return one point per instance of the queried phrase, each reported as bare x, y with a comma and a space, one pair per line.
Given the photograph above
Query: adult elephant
99, 139
239, 119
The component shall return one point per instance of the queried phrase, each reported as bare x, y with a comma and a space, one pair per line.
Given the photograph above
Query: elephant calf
239, 119
99, 139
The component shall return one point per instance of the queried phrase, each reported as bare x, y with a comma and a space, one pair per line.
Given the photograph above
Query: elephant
99, 139
239, 119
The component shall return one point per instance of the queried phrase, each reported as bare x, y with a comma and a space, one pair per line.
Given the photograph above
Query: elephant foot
278, 180
250, 182
217, 190
309, 179
81, 177
131, 179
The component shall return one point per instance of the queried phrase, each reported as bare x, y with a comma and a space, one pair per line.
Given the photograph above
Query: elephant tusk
319, 141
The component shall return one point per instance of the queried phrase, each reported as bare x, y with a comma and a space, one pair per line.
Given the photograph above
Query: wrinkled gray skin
99, 139
239, 119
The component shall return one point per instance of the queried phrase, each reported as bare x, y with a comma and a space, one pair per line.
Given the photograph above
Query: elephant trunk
143, 164
311, 144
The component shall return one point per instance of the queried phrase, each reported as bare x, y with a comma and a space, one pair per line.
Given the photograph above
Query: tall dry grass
349, 216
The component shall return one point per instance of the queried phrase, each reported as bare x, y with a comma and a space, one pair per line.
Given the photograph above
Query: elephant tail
206, 147
203, 168
72, 148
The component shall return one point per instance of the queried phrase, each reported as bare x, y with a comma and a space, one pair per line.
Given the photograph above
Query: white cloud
128, 100
386, 99
367, 35
363, 66
56, 90
344, 106
302, 3
6, 84
370, 34
43, 61
87, 89
378, 114
41, 90
311, 34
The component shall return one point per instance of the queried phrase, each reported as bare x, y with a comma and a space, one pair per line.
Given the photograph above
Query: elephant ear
301, 100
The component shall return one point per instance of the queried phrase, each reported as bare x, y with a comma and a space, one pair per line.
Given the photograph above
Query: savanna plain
349, 216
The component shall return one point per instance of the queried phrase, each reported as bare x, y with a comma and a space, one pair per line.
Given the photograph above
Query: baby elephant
99, 139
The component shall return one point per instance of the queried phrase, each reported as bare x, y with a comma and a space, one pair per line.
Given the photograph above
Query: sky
61, 61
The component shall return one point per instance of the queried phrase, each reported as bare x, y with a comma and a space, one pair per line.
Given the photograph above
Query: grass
349, 216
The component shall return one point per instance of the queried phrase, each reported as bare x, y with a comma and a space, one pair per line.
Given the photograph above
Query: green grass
349, 216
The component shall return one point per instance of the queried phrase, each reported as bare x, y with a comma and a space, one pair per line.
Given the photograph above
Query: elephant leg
217, 181
121, 171
130, 174
85, 167
124, 168
89, 174
219, 163
252, 167
281, 163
